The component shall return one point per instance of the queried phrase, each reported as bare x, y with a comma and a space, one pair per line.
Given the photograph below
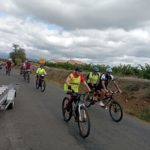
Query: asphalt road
36, 123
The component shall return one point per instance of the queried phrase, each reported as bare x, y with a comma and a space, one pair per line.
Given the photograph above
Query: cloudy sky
97, 31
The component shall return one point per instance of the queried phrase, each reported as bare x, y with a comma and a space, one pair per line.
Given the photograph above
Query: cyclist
23, 67
73, 82
74, 79
93, 77
40, 71
105, 79
28, 65
8, 64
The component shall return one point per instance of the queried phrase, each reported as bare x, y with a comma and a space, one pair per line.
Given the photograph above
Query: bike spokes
37, 83
84, 122
43, 85
88, 100
66, 110
28, 77
115, 111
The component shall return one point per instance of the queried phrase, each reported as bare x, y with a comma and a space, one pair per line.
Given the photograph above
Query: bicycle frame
41, 79
78, 110
8, 70
107, 99
77, 100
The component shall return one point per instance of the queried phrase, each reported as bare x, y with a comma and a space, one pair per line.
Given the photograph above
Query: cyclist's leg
40, 80
71, 99
9, 69
6, 68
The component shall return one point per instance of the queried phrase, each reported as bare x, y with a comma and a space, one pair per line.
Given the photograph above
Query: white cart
7, 96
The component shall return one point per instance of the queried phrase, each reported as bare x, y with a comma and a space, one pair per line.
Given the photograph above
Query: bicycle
77, 109
8, 70
115, 109
40, 82
26, 75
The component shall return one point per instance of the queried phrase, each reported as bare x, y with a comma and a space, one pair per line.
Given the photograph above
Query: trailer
7, 96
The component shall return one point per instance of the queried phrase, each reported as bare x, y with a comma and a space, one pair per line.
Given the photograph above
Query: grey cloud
88, 14
105, 46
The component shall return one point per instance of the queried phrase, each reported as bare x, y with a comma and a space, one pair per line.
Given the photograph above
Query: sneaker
101, 104
106, 107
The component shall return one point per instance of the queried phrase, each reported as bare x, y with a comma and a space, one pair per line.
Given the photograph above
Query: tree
18, 54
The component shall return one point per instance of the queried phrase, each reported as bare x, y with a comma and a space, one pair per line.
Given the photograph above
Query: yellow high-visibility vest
74, 83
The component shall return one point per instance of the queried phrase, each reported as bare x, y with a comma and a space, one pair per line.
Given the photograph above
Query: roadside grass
145, 114
132, 87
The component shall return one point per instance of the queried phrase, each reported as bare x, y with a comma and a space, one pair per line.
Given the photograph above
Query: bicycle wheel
9, 71
67, 113
115, 111
24, 76
28, 77
6, 72
87, 100
84, 122
37, 83
43, 85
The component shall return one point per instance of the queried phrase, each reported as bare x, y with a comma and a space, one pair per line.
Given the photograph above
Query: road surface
36, 123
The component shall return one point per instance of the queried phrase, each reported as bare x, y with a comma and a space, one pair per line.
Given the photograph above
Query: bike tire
9, 72
24, 76
66, 114
28, 77
115, 108
84, 118
43, 86
37, 84
6, 71
87, 100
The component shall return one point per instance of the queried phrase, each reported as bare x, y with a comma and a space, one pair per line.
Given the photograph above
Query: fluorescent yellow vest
93, 77
75, 83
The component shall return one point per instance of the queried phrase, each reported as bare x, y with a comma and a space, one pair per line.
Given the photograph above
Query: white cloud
93, 31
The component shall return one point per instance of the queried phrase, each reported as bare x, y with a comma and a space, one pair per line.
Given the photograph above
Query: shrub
145, 114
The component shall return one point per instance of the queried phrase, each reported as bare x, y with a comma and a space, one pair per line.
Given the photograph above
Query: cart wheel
11, 105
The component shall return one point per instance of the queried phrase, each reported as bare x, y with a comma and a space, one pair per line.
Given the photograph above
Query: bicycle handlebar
72, 92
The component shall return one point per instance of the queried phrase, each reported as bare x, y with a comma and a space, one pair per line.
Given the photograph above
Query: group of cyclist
26, 66
96, 82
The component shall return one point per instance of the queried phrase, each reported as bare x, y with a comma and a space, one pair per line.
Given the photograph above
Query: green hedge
123, 70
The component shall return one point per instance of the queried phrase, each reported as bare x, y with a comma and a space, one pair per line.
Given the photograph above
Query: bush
18, 61
145, 114
124, 70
